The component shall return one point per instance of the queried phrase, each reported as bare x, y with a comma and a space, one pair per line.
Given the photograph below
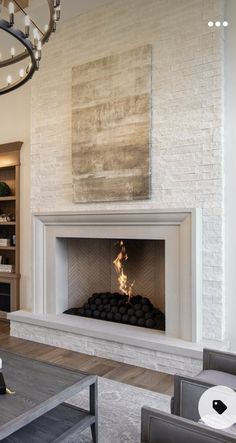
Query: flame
124, 287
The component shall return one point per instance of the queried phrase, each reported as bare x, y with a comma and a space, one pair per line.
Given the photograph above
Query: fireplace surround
181, 232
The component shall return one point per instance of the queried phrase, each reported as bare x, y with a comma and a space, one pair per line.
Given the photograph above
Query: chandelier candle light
32, 38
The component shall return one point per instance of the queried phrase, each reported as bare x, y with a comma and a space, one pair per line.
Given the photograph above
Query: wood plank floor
133, 375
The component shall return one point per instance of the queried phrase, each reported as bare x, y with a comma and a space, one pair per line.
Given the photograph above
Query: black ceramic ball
139, 314
141, 322
125, 318
122, 310
145, 301
110, 316
130, 312
117, 317
137, 299
133, 320
150, 323
88, 313
91, 299
146, 308
81, 311
148, 315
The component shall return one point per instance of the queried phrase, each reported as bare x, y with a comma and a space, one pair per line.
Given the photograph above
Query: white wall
230, 168
15, 126
187, 143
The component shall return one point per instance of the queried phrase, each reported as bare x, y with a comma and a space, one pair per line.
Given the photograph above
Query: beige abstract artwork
111, 127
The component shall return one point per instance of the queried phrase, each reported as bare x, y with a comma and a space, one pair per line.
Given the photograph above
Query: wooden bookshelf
10, 206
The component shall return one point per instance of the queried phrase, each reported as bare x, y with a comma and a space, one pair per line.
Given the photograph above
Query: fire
124, 286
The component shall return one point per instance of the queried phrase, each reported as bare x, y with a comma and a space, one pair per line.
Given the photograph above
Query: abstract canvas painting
111, 127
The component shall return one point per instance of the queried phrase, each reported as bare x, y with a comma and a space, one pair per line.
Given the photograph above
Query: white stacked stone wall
187, 132
133, 355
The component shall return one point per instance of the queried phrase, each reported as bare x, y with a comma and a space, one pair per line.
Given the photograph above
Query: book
6, 268
5, 242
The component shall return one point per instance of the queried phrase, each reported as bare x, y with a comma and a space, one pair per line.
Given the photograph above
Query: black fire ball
138, 311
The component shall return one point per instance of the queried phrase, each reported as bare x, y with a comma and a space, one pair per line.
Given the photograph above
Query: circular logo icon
217, 407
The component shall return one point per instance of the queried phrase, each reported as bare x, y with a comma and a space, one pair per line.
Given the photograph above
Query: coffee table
36, 413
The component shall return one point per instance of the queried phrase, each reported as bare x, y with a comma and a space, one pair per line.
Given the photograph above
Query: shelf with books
9, 223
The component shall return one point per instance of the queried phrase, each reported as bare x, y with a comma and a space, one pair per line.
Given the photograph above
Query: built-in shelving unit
10, 228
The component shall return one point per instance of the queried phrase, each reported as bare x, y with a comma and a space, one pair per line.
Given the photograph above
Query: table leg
93, 401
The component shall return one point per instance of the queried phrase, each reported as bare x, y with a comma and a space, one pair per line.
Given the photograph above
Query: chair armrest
219, 361
187, 393
160, 427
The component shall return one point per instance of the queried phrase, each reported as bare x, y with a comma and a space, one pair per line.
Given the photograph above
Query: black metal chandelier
31, 39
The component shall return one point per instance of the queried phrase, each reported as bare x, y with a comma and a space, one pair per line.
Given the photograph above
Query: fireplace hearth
115, 307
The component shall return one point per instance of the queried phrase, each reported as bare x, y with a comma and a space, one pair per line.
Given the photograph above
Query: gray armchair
160, 427
219, 368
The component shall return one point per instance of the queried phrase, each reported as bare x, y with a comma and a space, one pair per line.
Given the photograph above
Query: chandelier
24, 37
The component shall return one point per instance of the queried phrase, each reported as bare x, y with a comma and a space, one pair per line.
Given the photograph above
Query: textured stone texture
187, 100
111, 127
133, 355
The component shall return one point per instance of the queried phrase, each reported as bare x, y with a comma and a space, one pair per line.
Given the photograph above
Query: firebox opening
120, 280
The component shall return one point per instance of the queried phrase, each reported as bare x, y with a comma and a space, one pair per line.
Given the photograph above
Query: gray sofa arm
219, 361
160, 427
187, 393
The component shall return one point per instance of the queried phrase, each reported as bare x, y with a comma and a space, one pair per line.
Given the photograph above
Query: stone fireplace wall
187, 133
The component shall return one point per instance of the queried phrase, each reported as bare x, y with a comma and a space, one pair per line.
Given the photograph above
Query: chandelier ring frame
4, 25
22, 38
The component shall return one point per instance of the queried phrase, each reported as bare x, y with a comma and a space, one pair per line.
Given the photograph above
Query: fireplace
179, 230
164, 248
116, 280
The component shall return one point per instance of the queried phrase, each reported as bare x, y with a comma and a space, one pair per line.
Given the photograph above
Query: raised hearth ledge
128, 344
